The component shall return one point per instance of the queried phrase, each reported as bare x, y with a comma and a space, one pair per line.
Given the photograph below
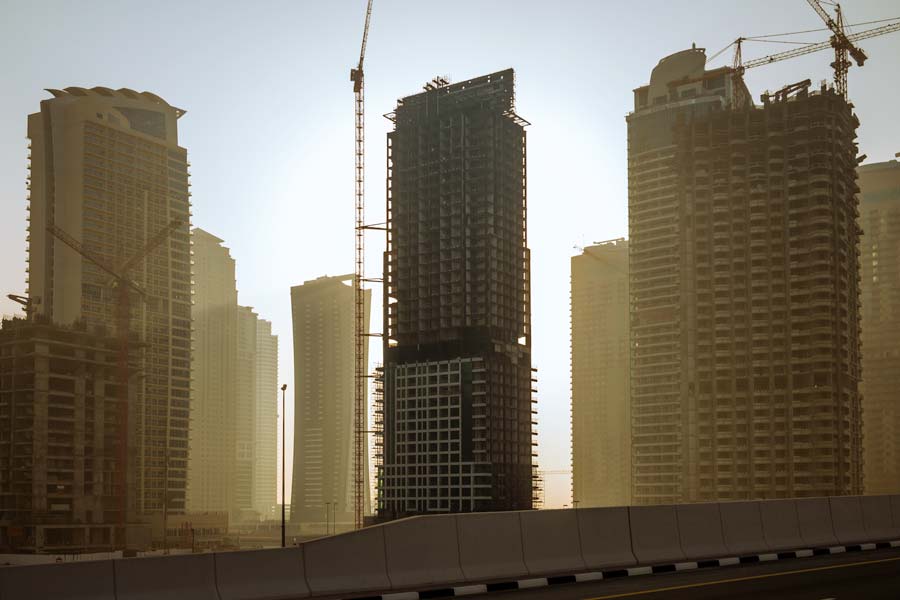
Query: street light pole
283, 457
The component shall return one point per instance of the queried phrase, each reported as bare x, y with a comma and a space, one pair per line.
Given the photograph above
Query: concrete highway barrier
700, 531
475, 549
185, 577
490, 546
877, 520
605, 535
422, 551
780, 525
550, 541
847, 518
742, 527
66, 581
272, 574
654, 534
347, 562
895, 511
814, 518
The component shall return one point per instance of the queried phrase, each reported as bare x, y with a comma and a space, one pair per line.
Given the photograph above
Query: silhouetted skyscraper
106, 167
744, 266
457, 374
601, 411
879, 207
322, 488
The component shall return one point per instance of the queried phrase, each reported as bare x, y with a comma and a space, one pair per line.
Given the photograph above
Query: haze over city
269, 134
265, 89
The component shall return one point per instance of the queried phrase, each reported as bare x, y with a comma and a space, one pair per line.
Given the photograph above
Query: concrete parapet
605, 537
550, 541
654, 534
847, 518
274, 574
780, 525
490, 546
188, 577
348, 562
700, 531
877, 519
814, 519
422, 551
742, 527
895, 510
67, 581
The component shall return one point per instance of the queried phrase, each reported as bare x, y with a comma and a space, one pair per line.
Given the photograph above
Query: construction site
61, 489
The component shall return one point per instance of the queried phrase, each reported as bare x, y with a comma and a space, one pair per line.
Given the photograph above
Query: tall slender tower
322, 492
265, 478
457, 347
106, 167
744, 284
211, 465
879, 207
601, 411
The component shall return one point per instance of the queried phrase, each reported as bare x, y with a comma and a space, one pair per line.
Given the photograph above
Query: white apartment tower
106, 168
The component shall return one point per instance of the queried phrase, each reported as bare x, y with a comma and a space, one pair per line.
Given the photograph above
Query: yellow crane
842, 43
360, 427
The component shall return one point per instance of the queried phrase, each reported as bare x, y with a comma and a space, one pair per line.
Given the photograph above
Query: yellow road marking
749, 578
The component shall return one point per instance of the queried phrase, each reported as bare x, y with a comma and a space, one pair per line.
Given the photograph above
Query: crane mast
359, 312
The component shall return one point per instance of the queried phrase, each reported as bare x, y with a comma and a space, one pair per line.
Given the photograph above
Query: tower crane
842, 43
359, 317
124, 286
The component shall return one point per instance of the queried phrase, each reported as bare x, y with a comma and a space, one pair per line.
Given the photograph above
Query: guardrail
476, 548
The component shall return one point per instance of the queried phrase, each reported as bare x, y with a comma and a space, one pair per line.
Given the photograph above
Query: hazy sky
269, 123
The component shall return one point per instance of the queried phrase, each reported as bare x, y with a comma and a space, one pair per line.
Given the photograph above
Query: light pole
283, 457
327, 529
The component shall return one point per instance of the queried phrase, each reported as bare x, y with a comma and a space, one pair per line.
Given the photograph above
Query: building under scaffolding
458, 410
744, 284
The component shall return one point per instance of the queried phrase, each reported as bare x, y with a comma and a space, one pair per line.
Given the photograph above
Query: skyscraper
744, 265
265, 420
322, 489
106, 167
601, 412
255, 409
211, 464
457, 347
879, 207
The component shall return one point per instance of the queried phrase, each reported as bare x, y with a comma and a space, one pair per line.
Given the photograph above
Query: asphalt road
871, 575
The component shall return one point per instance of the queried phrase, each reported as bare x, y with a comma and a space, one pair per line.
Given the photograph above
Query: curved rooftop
125, 93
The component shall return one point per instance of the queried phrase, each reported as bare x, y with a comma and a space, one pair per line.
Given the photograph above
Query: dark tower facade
458, 408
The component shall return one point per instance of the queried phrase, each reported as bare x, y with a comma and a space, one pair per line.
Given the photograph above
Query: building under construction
744, 284
458, 411
58, 439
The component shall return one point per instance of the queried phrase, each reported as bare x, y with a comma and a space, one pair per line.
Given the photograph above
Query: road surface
870, 575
